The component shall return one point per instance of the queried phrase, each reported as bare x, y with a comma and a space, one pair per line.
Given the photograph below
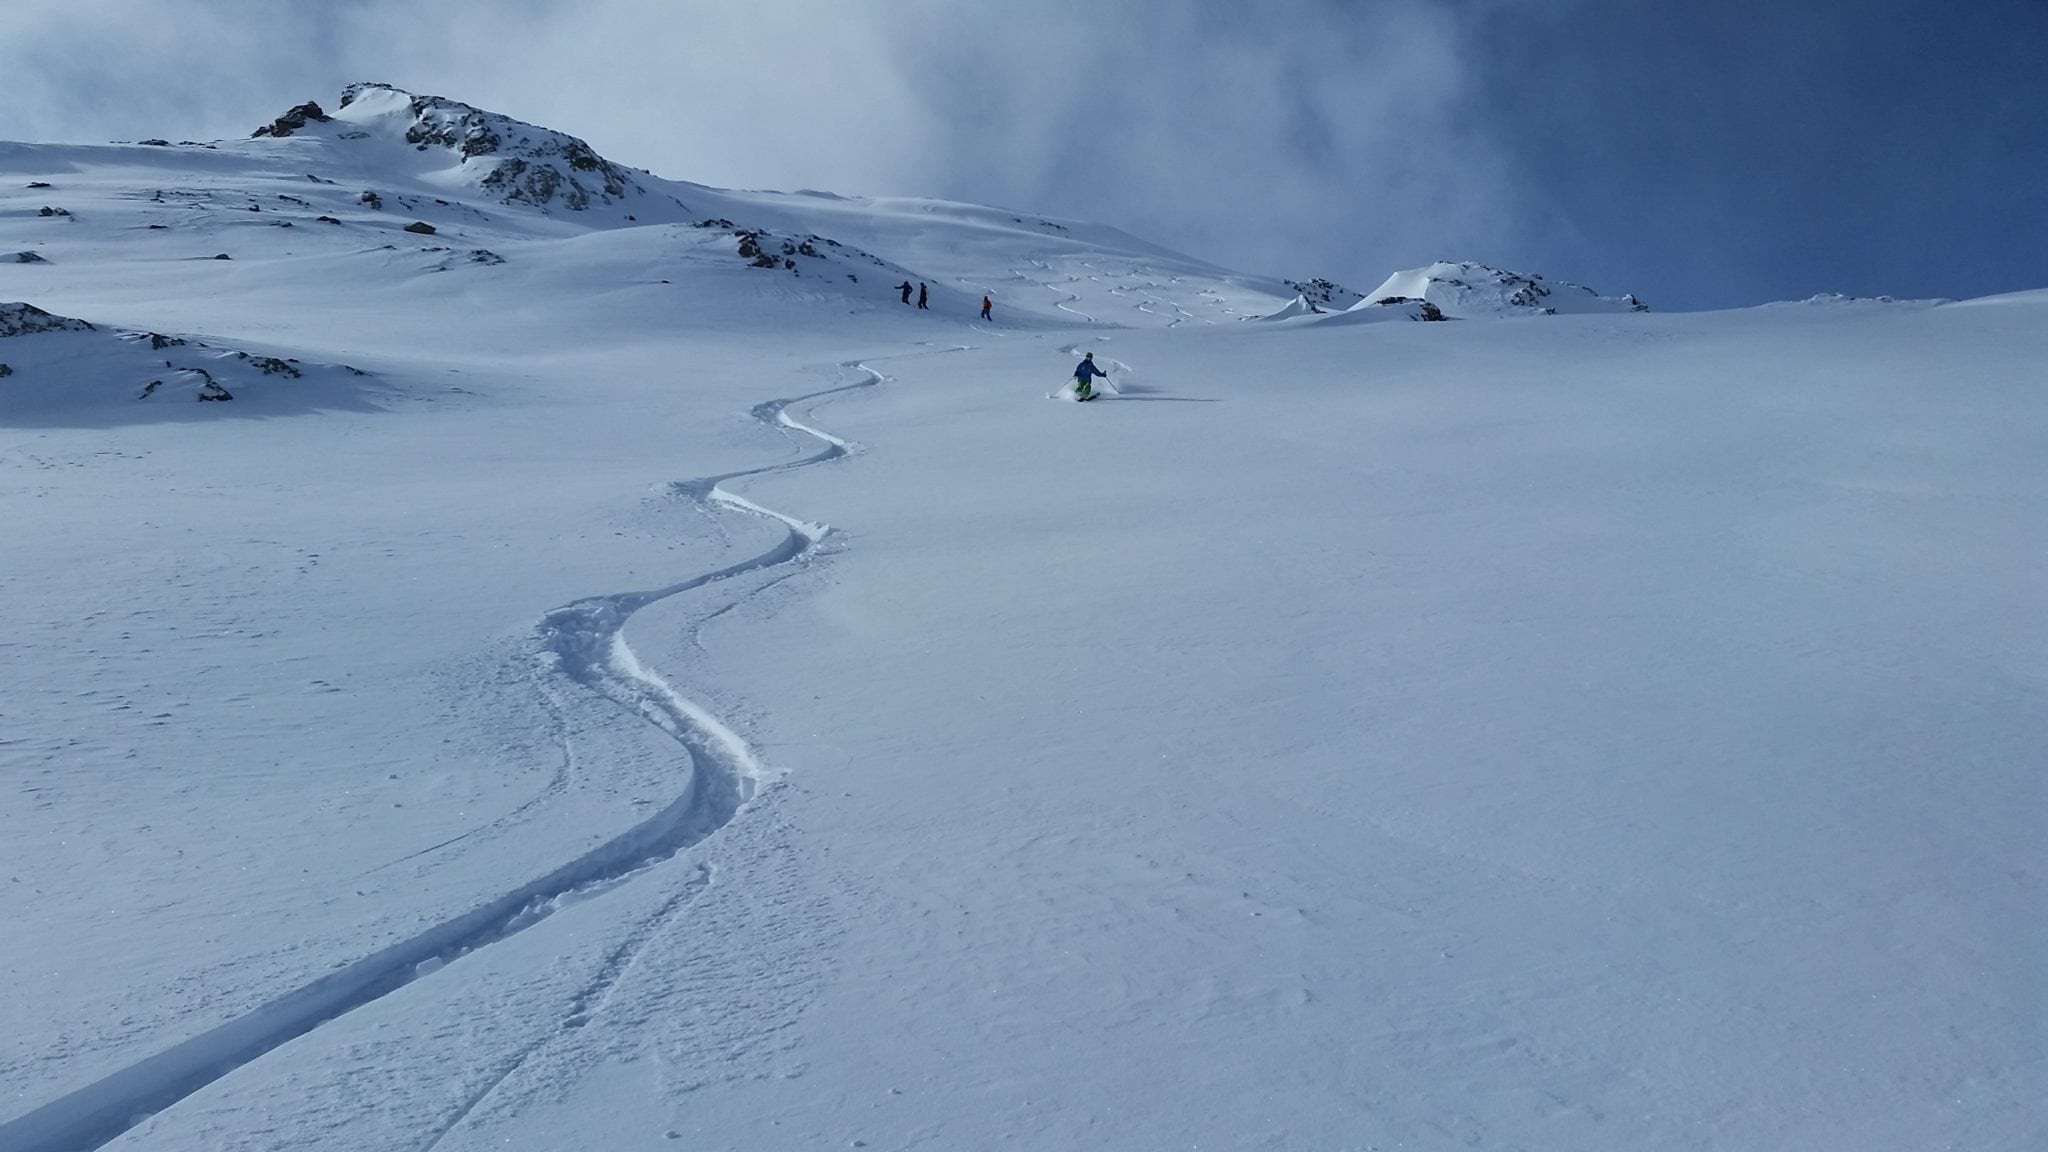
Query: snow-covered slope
348, 181
688, 698
1467, 290
62, 368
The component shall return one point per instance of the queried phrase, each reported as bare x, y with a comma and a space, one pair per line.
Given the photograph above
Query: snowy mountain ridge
1467, 290
427, 174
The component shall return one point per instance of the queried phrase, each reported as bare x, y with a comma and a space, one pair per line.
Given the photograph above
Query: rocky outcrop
292, 121
517, 162
1324, 295
27, 320
198, 380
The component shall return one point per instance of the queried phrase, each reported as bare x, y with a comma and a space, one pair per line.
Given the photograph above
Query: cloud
1299, 136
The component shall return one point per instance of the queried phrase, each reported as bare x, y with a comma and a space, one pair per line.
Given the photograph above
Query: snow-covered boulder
1468, 290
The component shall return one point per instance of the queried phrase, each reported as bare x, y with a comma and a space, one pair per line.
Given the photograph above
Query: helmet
1088, 356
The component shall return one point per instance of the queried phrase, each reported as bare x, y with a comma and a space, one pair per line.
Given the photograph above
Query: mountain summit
466, 147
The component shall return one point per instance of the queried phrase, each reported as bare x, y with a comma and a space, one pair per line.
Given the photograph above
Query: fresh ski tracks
583, 642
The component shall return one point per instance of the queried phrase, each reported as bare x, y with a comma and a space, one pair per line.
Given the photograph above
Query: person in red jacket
986, 304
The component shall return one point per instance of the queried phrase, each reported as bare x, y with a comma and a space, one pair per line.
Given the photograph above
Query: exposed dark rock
46, 210
209, 388
1430, 312
222, 256
292, 121
27, 319
159, 227
29, 258
326, 220
158, 342
155, 143
421, 227
1324, 294
750, 249
485, 256
375, 201
271, 365
5, 371
38, 184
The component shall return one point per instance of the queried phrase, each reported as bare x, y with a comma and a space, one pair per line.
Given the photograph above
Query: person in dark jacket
920, 294
986, 304
1085, 373
905, 289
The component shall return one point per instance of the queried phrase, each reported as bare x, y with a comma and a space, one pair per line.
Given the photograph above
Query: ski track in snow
582, 642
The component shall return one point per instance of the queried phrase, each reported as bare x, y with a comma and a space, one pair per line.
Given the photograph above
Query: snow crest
1466, 290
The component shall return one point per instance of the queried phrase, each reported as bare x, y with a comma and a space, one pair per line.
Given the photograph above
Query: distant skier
920, 294
905, 289
1085, 373
986, 304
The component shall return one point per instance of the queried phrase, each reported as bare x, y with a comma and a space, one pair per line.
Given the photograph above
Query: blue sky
1725, 152
1697, 154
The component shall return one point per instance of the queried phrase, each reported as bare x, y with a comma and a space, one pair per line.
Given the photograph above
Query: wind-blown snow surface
1614, 732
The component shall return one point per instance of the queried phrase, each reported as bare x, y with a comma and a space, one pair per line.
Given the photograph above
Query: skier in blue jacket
1084, 374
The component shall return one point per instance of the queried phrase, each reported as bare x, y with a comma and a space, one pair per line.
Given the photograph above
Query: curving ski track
581, 641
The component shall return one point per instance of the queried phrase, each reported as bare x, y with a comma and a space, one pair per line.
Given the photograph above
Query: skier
1084, 374
920, 294
986, 304
905, 289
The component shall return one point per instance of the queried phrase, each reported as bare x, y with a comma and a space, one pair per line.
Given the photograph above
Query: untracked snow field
668, 703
